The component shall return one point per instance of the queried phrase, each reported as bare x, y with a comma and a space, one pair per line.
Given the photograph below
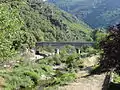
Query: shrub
67, 50
95, 69
26, 75
64, 79
73, 62
116, 78
91, 50
57, 60
34, 76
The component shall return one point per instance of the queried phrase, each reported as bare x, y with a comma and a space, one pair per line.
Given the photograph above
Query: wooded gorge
96, 13
23, 23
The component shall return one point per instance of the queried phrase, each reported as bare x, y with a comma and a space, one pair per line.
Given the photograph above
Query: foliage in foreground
32, 75
111, 49
116, 78
25, 76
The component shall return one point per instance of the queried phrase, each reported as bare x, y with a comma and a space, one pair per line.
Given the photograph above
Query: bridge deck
64, 43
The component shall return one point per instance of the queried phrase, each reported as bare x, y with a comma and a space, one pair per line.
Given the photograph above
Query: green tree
10, 23
111, 48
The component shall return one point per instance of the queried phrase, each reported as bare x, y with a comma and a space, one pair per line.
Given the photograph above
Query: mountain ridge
96, 13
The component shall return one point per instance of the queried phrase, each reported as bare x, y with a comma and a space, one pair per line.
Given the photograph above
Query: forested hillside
23, 23
97, 13
25, 66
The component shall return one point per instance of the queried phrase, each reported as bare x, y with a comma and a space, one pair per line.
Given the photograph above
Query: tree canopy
111, 49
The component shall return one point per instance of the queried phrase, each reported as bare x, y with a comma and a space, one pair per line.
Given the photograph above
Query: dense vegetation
22, 23
97, 13
46, 73
110, 46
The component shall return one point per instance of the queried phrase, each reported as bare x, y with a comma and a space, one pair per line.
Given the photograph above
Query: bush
57, 60
67, 50
116, 78
64, 79
54, 60
91, 50
26, 75
73, 62
34, 76
95, 69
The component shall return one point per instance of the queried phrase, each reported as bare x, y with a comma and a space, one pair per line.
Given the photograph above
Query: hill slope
58, 25
97, 13
23, 23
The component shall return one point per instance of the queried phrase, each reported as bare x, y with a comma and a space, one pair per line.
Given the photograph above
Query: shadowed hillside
97, 13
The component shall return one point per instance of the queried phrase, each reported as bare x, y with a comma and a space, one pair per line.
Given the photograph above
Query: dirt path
94, 82
89, 83
2, 82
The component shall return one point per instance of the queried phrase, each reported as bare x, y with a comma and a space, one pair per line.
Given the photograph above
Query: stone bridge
60, 44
